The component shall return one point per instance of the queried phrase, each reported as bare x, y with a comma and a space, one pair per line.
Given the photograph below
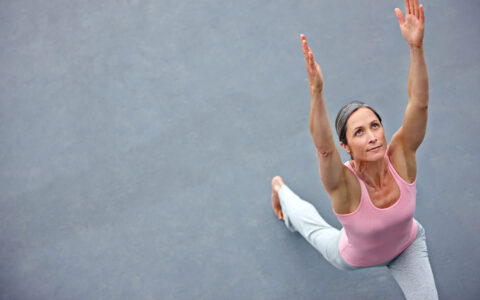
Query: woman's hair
345, 113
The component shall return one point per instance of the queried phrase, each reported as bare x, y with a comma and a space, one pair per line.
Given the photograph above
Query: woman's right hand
315, 76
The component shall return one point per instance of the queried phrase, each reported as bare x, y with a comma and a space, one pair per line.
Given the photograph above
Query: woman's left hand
413, 25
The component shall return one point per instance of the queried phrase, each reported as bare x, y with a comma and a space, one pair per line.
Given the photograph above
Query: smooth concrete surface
139, 140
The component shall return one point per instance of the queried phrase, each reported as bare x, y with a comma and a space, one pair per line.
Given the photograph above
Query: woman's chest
385, 196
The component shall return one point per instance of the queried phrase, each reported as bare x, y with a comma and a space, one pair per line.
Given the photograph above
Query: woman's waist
362, 252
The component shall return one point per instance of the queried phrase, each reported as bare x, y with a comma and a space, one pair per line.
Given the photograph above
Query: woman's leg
301, 216
412, 270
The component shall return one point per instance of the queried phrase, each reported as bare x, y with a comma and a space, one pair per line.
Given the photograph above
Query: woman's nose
371, 137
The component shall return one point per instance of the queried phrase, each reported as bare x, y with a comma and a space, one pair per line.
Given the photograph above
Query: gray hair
342, 117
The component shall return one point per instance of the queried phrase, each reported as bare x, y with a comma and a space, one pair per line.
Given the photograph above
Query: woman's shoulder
348, 198
404, 163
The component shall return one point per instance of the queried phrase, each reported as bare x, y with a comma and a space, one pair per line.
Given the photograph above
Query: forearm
329, 161
320, 126
414, 125
418, 77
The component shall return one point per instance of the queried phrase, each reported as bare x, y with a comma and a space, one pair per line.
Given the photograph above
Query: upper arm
412, 132
407, 139
338, 180
331, 169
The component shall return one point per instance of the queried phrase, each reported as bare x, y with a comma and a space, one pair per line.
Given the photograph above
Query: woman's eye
358, 132
375, 125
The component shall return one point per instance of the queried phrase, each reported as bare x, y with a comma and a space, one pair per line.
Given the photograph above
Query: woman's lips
374, 148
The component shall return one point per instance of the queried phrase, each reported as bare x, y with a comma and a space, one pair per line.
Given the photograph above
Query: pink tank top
375, 235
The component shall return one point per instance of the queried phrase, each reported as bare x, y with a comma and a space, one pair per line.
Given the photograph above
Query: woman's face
365, 136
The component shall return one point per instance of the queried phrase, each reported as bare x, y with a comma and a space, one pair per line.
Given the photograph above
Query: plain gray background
139, 140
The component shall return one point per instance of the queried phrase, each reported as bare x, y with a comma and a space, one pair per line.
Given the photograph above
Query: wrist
316, 92
416, 46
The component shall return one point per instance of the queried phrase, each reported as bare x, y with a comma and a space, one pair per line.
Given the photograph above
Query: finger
422, 16
313, 65
415, 8
307, 59
410, 6
400, 18
304, 44
309, 66
407, 8
311, 60
307, 63
305, 47
302, 37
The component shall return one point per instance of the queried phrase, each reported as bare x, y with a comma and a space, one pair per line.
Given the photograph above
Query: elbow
324, 153
420, 103
423, 106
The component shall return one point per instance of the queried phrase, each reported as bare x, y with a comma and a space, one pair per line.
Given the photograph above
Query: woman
373, 195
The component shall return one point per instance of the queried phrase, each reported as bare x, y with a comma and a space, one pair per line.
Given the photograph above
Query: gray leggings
411, 268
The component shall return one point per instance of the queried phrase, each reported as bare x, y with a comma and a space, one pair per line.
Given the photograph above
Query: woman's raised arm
330, 163
412, 132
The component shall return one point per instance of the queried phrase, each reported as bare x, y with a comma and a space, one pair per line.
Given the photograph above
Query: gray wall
139, 140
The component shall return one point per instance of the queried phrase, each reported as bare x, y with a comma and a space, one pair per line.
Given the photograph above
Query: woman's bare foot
277, 183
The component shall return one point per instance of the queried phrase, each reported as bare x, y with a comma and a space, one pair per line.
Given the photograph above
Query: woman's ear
346, 148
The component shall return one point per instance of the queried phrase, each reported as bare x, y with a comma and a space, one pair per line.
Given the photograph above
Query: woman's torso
347, 201
376, 234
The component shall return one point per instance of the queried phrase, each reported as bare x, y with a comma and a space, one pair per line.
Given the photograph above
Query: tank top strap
363, 187
348, 164
395, 173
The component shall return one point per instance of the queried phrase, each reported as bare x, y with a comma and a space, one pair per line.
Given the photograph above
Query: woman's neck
373, 173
